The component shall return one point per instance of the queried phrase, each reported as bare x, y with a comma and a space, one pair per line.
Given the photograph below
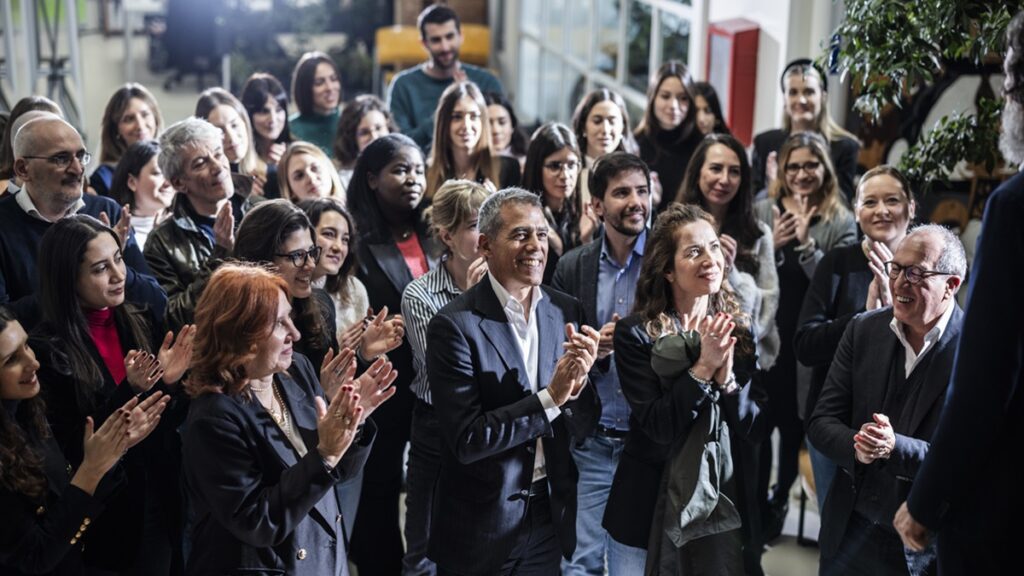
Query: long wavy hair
335, 284
830, 200
649, 125
61, 253
441, 164
346, 147
234, 315
582, 112
21, 468
260, 236
740, 222
257, 89
654, 302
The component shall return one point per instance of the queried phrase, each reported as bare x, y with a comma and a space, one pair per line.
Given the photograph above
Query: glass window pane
576, 89
607, 56
530, 16
551, 85
528, 95
638, 32
675, 38
555, 23
579, 29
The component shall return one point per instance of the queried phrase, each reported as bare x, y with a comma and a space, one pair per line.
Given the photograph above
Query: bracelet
701, 381
729, 382
808, 246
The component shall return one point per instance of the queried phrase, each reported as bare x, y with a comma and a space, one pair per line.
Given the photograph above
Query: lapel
589, 267
875, 378
550, 337
496, 329
390, 260
940, 370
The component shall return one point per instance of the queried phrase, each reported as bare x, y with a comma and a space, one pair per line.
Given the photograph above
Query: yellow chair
399, 47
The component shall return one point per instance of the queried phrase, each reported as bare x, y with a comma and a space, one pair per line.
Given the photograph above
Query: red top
104, 336
413, 254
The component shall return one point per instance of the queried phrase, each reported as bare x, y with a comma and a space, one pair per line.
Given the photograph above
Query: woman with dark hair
553, 172
306, 173
506, 136
685, 358
266, 102
27, 104
97, 351
139, 182
220, 108
601, 125
805, 90
386, 195
316, 91
132, 115
808, 217
264, 454
710, 119
849, 280
48, 511
668, 132
462, 146
363, 120
278, 233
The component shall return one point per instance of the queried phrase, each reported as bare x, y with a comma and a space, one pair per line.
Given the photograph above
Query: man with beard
49, 160
603, 275
201, 228
969, 488
414, 93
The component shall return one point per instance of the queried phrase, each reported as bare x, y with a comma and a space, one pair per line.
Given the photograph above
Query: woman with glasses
805, 92
132, 115
278, 233
849, 280
808, 217
553, 166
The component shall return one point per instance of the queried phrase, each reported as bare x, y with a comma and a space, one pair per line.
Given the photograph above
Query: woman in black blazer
684, 361
262, 451
48, 506
849, 280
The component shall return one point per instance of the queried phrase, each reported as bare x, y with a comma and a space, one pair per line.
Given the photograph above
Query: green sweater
316, 129
413, 98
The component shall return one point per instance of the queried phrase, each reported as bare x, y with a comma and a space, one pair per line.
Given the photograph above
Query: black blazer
258, 507
838, 292
656, 422
854, 390
844, 153
490, 422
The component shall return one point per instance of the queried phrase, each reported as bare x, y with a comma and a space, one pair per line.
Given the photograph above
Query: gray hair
952, 260
24, 139
178, 137
489, 218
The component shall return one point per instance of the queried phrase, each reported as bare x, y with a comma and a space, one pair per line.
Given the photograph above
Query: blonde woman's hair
301, 147
454, 204
831, 202
823, 124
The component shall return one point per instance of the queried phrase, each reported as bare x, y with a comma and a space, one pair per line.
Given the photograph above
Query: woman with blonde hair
306, 173
462, 143
808, 218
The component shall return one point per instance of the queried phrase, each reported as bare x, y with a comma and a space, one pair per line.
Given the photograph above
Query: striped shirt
424, 297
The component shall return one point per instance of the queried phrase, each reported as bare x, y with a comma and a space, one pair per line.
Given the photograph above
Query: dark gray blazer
854, 390
490, 422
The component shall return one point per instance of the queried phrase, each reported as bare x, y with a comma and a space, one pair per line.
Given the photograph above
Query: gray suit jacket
854, 390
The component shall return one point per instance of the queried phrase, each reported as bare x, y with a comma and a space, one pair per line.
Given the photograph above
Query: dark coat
259, 508
490, 422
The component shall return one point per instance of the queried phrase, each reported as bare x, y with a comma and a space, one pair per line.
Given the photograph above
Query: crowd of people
233, 346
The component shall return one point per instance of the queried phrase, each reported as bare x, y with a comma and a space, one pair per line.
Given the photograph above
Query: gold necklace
280, 417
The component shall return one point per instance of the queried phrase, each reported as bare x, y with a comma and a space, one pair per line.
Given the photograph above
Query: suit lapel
495, 327
876, 381
940, 369
589, 276
390, 260
549, 334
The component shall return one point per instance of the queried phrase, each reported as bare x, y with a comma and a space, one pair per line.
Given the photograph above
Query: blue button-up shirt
616, 289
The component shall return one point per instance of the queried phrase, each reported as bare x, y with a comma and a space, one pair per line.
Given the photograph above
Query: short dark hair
436, 14
131, 163
611, 165
257, 88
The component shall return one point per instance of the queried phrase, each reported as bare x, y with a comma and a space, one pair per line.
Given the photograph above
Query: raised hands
795, 224
275, 151
382, 334
142, 370
729, 247
102, 449
337, 426
717, 346
879, 294
570, 374
144, 416
124, 224
337, 370
475, 272
374, 386
175, 354
224, 227
606, 335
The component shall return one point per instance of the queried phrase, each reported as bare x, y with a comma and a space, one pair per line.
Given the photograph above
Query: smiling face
883, 210
803, 98
443, 42
698, 262
603, 129
236, 139
299, 278
400, 184
671, 103
561, 171
805, 172
705, 117
137, 122
18, 364
720, 176
334, 236
275, 352
268, 121
326, 89
152, 191
626, 204
501, 127
101, 274
206, 178
920, 306
372, 126
517, 254
466, 126
45, 179
308, 177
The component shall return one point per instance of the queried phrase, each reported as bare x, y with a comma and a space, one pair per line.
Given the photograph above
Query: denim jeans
596, 460
824, 472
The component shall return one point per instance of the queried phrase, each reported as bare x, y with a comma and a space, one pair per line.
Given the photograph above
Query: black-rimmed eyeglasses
914, 274
298, 258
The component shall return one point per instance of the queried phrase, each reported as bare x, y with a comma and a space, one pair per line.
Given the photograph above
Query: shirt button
301, 554
524, 493
622, 300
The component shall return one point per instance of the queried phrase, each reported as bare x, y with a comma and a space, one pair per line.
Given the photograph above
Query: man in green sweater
414, 93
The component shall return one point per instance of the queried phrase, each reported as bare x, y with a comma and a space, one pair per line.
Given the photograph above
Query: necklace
280, 416
263, 388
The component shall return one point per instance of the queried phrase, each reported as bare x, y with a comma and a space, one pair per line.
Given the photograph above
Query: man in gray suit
881, 403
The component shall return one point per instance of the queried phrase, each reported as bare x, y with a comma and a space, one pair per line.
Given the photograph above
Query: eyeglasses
914, 274
572, 166
299, 257
809, 167
63, 159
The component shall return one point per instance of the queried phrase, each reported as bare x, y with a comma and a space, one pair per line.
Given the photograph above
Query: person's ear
371, 181
912, 210
484, 246
21, 169
598, 206
133, 182
953, 284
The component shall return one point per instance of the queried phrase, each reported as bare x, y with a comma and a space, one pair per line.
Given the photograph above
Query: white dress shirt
911, 358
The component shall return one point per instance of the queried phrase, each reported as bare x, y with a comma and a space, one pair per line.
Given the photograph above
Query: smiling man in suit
508, 371
881, 402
